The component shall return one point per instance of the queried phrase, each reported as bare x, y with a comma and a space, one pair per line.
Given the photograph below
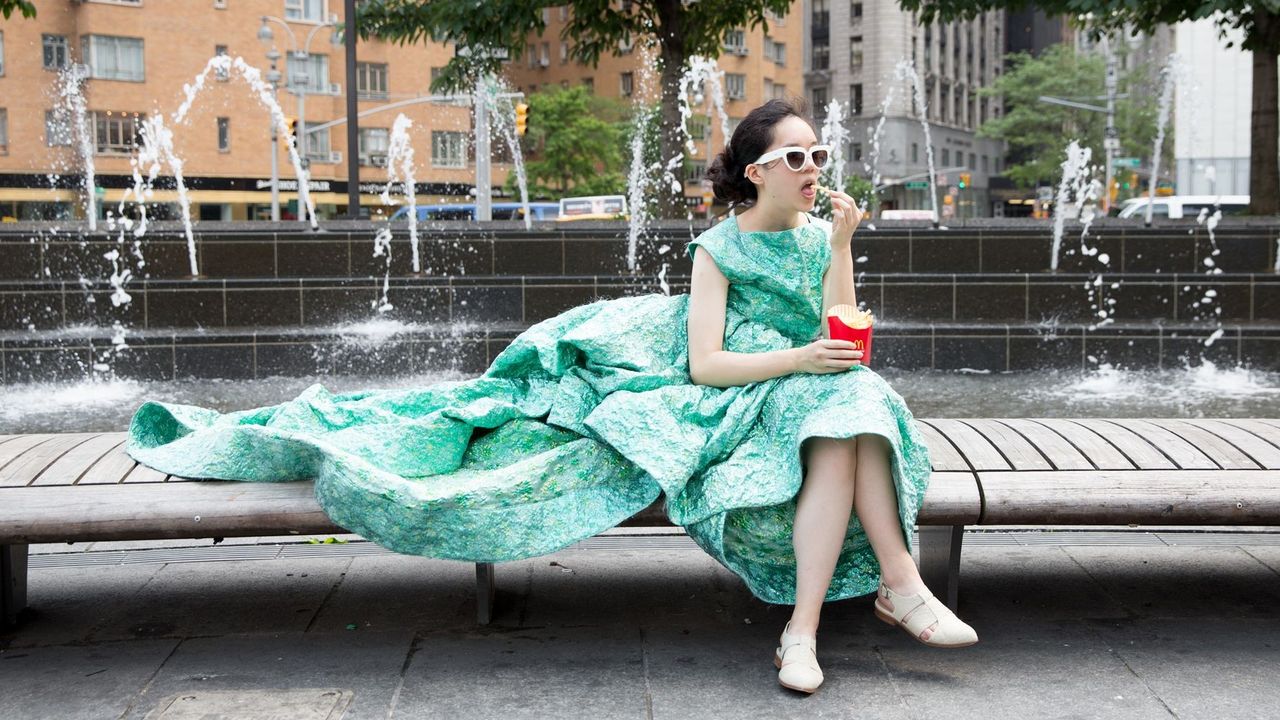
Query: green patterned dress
584, 420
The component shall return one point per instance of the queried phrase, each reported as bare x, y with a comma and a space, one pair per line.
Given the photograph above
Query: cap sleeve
713, 240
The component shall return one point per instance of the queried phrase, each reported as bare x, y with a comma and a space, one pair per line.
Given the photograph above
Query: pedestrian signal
964, 180
522, 118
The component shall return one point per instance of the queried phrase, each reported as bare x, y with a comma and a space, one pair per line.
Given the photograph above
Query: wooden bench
82, 488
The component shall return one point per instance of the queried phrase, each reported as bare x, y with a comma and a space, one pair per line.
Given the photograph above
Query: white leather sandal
797, 661
918, 613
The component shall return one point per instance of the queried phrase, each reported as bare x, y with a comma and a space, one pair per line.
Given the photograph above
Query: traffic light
522, 118
964, 180
292, 124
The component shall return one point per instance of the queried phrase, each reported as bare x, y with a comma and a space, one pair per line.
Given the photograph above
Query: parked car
1185, 206
593, 207
467, 211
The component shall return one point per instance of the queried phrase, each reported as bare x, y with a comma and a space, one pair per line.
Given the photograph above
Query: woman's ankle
801, 628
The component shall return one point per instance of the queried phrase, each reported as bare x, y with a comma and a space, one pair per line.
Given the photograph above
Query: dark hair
753, 136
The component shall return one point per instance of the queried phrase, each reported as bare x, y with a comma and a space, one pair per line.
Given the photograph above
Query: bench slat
1061, 453
980, 453
1122, 497
1107, 447
58, 513
1269, 433
28, 466
1183, 454
1223, 453
110, 469
952, 498
942, 454
1250, 443
19, 445
1022, 455
143, 474
67, 469
1138, 450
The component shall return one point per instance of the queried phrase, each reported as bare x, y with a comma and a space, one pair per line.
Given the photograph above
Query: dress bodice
775, 278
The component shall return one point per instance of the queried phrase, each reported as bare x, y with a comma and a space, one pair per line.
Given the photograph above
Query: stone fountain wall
273, 300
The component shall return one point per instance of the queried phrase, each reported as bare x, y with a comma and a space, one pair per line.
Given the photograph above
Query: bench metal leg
13, 583
485, 587
940, 547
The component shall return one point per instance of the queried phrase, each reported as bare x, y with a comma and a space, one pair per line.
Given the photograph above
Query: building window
305, 10
986, 164
223, 74
915, 152
564, 13
533, 56
735, 42
695, 170
735, 86
114, 58
374, 143
115, 133
946, 157
4, 131
545, 56
775, 91
371, 80
821, 55
821, 17
224, 135
57, 128
435, 74
855, 99
697, 127
448, 149
564, 53
317, 143
855, 53
589, 84
626, 84
1, 53
855, 11
973, 161
819, 101
775, 52
316, 70
855, 151
55, 51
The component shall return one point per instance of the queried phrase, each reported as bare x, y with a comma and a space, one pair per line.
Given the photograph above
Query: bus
467, 211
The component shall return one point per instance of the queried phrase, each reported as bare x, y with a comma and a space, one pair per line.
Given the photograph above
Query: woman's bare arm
709, 362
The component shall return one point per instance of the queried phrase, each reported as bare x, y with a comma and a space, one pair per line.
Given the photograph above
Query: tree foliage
1037, 132
594, 28
574, 143
26, 7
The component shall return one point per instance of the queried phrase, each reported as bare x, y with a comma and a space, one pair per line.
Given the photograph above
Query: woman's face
778, 185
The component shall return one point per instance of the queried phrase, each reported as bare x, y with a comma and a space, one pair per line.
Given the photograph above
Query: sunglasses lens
820, 159
795, 159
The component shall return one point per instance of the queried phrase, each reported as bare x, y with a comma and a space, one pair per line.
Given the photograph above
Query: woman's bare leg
823, 509
876, 502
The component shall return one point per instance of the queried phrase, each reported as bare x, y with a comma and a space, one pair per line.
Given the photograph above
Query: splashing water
400, 169
504, 121
1169, 76
835, 134
905, 69
1074, 171
70, 103
223, 66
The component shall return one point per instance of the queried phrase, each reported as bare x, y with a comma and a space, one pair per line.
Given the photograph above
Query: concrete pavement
1085, 626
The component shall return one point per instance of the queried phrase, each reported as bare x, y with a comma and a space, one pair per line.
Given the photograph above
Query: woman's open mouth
809, 189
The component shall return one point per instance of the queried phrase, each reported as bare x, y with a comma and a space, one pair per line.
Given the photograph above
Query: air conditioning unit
740, 50
335, 88
377, 160
335, 156
544, 62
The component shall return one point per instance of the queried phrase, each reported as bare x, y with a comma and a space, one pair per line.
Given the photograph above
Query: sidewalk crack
1124, 661
414, 645
893, 682
333, 589
644, 666
146, 687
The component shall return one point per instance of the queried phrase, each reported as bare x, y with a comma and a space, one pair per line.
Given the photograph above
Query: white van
1176, 207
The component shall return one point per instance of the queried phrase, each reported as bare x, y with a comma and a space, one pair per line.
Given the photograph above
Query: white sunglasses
796, 156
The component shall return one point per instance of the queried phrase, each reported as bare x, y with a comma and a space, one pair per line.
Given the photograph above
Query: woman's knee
826, 450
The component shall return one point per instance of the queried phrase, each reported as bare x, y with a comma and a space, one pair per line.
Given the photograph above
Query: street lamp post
273, 77
298, 84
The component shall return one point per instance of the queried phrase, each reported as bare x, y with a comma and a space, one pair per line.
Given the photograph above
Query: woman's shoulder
715, 237
820, 224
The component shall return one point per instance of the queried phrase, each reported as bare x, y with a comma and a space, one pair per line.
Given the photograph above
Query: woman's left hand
845, 217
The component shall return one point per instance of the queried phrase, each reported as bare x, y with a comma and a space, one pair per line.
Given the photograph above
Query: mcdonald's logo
858, 345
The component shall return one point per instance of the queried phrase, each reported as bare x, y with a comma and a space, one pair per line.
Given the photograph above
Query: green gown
584, 420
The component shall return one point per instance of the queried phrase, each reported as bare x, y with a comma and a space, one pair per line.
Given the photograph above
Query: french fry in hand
846, 322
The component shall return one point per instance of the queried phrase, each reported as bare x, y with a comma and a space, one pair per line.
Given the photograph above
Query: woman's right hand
824, 356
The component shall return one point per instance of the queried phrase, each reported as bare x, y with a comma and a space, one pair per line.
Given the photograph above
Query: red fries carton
847, 322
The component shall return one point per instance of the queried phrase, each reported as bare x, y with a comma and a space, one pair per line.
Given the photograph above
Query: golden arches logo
858, 345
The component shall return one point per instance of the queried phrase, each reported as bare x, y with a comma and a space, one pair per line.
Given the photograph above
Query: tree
1037, 132
1258, 19
26, 7
680, 29
574, 142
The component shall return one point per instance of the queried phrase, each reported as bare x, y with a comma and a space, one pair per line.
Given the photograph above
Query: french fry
852, 316
823, 188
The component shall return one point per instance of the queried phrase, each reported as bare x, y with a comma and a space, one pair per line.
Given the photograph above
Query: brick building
138, 54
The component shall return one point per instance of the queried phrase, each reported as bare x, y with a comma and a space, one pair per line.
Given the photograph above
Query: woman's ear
752, 174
